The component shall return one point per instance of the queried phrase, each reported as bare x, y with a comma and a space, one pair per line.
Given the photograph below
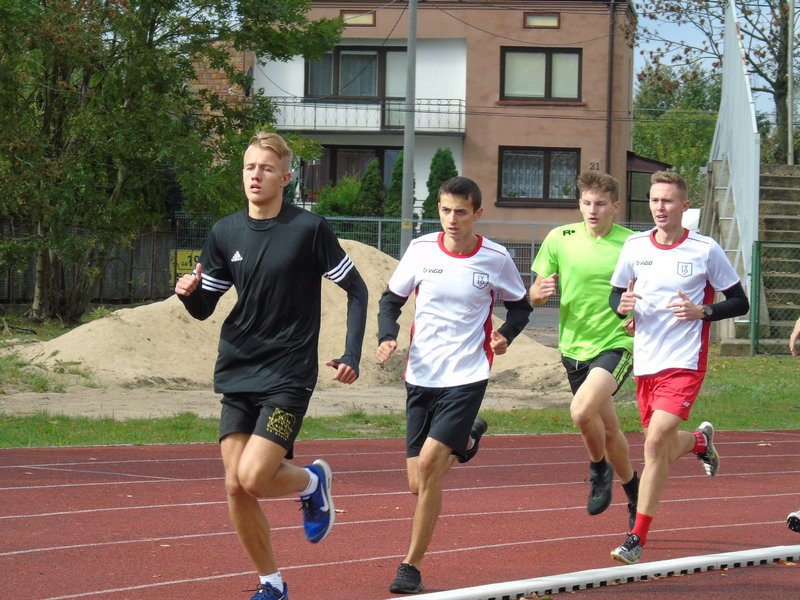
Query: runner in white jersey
667, 279
456, 276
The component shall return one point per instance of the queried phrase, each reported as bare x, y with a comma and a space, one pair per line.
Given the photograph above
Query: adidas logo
236, 257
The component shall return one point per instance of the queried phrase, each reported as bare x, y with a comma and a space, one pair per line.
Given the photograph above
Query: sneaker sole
395, 589
708, 429
474, 450
328, 496
793, 522
622, 559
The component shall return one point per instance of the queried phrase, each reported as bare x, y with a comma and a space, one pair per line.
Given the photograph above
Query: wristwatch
707, 312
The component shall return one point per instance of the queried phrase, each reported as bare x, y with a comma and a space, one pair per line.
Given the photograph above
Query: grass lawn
739, 393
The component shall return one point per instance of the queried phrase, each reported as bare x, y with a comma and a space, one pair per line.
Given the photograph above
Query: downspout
610, 88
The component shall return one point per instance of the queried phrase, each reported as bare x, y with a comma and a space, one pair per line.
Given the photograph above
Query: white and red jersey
455, 295
695, 265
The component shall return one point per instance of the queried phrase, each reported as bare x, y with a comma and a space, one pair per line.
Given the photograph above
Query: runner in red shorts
667, 279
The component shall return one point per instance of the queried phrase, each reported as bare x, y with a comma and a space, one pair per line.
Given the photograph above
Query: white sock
275, 580
313, 482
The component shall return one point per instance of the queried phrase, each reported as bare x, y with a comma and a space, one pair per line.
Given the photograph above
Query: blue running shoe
267, 592
318, 512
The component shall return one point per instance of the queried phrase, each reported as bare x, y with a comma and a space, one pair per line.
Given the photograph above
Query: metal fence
775, 296
148, 268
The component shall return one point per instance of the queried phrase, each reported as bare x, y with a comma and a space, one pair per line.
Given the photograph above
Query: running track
151, 522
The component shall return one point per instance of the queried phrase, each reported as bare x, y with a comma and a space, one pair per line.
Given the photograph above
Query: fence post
755, 298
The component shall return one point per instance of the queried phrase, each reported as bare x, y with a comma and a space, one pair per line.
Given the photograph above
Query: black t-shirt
269, 341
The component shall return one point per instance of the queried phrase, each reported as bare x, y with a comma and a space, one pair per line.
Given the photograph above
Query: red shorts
672, 390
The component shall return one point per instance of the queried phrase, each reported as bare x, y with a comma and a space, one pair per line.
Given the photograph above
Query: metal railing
445, 115
736, 147
775, 298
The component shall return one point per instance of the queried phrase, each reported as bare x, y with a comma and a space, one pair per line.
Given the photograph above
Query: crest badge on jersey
480, 280
684, 269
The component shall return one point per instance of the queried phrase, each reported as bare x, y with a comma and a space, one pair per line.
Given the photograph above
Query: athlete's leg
245, 513
432, 465
592, 410
664, 444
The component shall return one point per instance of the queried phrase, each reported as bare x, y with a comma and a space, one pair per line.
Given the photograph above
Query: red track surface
151, 522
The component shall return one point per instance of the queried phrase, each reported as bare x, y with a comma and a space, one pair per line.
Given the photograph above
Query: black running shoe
631, 514
629, 552
479, 427
600, 490
793, 521
407, 581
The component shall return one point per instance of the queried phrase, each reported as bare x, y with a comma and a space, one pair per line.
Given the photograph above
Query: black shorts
445, 414
275, 416
618, 362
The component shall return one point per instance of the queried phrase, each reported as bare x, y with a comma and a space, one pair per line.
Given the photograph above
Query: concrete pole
790, 87
407, 204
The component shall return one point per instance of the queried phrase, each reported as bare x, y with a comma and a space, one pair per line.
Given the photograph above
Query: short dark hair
462, 187
592, 181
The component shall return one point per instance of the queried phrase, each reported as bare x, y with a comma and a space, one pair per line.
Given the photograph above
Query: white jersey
455, 296
697, 266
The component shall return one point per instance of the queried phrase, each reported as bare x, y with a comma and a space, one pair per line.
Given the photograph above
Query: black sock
632, 487
599, 467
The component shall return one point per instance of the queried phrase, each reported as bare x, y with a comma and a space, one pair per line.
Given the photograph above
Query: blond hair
671, 178
266, 140
592, 181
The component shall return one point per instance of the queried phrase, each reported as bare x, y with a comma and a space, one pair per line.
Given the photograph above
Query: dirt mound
160, 344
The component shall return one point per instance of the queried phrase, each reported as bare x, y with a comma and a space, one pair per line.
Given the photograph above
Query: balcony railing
431, 115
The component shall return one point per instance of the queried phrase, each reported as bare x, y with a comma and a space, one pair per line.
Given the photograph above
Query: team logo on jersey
684, 269
236, 257
480, 280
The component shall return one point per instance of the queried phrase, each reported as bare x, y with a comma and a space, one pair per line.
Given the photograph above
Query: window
357, 72
541, 20
544, 175
534, 74
338, 161
358, 18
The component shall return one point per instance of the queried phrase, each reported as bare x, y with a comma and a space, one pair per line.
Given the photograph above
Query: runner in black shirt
275, 255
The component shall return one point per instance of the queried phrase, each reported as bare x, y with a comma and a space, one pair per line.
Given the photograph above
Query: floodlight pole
407, 204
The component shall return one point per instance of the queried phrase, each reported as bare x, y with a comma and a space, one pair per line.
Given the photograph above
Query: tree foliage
674, 119
393, 204
338, 200
765, 30
443, 167
369, 202
99, 117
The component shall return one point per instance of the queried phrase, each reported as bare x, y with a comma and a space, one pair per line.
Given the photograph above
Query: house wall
459, 56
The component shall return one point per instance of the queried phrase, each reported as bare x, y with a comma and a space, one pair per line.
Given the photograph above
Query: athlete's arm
199, 302
357, 298
543, 289
519, 312
389, 308
615, 299
734, 305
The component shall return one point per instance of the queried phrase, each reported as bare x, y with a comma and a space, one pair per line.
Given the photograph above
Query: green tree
98, 114
371, 195
393, 204
765, 30
338, 200
443, 167
674, 120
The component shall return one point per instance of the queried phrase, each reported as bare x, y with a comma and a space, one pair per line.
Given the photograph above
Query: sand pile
161, 345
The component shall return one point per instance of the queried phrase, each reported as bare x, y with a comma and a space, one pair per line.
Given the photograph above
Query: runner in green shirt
577, 261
